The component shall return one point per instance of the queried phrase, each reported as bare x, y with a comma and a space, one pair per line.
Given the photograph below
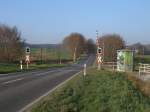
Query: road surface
19, 89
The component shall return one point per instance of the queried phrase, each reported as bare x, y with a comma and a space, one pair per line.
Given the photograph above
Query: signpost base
27, 65
99, 67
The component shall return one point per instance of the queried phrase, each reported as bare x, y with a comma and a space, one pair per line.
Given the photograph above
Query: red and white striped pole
99, 52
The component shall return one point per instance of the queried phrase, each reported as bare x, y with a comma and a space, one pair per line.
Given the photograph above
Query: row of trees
110, 43
11, 44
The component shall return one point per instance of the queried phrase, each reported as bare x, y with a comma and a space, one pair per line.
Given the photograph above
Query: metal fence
110, 65
144, 71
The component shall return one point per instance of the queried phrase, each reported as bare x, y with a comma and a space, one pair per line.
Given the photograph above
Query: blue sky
49, 21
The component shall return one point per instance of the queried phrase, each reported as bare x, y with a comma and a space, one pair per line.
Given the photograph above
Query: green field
141, 59
37, 64
40, 58
49, 54
97, 92
8, 68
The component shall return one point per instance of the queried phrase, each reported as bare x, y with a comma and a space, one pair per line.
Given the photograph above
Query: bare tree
11, 44
110, 43
75, 43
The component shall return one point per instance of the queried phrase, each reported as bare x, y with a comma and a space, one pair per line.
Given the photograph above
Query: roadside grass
143, 86
40, 66
99, 91
10, 68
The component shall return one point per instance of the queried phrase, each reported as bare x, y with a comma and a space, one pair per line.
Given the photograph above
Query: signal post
99, 53
99, 58
27, 58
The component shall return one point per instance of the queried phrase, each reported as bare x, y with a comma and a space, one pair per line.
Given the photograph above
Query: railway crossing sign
99, 59
27, 58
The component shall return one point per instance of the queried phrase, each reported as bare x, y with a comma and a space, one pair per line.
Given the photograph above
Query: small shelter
125, 60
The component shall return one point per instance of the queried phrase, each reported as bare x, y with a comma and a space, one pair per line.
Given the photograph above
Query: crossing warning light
28, 50
99, 50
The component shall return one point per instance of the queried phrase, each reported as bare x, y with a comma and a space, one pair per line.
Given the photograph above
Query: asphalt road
19, 89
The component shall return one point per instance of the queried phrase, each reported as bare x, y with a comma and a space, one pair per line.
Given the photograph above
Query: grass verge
10, 68
99, 91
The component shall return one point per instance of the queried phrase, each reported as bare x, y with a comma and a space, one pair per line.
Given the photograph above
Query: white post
27, 60
84, 70
21, 65
139, 72
27, 65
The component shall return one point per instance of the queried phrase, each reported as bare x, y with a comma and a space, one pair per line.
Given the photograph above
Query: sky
49, 21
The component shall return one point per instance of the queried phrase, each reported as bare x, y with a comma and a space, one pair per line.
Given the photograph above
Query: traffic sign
99, 59
27, 58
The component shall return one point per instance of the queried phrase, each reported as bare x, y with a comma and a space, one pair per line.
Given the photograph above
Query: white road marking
45, 73
59, 70
40, 74
11, 81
